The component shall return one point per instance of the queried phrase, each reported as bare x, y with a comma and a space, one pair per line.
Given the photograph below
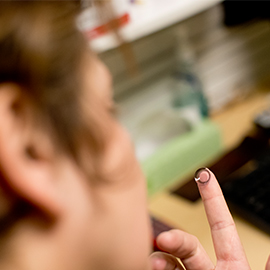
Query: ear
30, 177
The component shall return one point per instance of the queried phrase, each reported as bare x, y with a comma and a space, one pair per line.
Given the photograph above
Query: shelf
152, 16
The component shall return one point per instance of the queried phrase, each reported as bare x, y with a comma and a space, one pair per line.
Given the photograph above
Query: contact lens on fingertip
202, 176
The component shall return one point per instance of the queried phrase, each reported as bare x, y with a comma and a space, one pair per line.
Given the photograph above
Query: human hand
228, 248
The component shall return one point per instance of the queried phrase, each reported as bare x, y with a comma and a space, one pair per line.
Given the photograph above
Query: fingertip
164, 261
157, 263
165, 238
202, 176
207, 183
170, 241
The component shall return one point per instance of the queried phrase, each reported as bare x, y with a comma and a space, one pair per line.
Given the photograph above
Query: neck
30, 246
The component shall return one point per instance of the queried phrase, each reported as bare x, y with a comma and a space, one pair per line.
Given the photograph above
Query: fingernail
202, 176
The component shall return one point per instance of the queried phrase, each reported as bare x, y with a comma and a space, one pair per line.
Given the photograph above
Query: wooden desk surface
234, 122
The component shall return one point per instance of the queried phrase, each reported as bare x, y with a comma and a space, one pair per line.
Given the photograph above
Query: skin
228, 247
98, 223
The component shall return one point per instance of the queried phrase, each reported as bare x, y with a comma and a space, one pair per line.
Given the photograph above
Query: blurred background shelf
147, 17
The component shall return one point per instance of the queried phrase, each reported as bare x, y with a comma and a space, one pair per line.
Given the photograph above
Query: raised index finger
226, 241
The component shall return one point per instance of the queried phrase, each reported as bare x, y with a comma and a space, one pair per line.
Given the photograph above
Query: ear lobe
29, 177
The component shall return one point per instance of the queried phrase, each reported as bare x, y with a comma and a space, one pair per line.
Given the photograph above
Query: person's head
72, 195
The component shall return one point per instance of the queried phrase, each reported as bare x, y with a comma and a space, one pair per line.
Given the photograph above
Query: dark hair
42, 51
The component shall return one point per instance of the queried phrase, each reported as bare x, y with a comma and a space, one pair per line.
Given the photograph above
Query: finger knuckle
221, 225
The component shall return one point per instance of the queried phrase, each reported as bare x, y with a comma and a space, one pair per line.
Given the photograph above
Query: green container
181, 156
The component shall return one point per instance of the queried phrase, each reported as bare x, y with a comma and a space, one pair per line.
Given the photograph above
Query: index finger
226, 241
